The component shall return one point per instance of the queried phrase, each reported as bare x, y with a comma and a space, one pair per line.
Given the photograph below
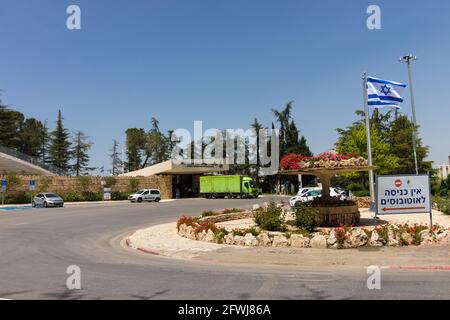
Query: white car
145, 195
304, 190
311, 194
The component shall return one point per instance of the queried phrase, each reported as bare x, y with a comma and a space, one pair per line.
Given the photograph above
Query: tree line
148, 147
57, 147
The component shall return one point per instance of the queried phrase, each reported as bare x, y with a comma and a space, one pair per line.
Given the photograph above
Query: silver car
48, 200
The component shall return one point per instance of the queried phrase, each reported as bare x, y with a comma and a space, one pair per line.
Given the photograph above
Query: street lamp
407, 59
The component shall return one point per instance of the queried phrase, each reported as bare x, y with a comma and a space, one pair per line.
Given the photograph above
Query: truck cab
249, 187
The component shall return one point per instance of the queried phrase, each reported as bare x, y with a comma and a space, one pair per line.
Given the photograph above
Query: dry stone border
392, 235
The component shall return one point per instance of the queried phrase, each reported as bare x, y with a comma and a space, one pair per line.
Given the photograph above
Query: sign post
4, 184
32, 188
106, 194
404, 194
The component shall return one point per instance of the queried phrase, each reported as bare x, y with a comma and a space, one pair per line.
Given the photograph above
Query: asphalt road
37, 246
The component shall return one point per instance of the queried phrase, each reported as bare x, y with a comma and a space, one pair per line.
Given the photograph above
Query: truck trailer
227, 186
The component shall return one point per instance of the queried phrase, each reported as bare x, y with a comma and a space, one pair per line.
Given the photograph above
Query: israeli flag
384, 93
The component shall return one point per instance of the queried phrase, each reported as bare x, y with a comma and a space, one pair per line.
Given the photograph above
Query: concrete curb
129, 245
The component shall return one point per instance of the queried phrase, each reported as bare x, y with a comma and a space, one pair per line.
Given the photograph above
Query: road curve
37, 246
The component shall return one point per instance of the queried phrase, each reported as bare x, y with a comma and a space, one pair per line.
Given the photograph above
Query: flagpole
369, 144
407, 59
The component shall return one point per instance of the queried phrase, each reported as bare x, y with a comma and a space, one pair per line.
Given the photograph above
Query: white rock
264, 239
239, 240
332, 238
299, 241
190, 233
318, 241
280, 241
250, 240
209, 236
182, 230
373, 241
201, 236
358, 238
229, 239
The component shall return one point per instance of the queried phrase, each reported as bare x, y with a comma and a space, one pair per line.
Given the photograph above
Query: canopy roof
178, 167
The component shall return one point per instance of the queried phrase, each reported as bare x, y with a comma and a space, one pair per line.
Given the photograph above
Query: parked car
48, 200
305, 197
145, 195
304, 190
312, 193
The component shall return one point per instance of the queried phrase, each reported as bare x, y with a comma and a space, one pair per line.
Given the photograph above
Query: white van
145, 195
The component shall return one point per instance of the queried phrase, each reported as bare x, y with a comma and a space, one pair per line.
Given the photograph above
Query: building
444, 170
185, 175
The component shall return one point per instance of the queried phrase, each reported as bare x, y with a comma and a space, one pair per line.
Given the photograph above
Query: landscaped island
274, 226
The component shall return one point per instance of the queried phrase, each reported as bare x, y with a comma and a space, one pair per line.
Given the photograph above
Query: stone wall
362, 202
64, 185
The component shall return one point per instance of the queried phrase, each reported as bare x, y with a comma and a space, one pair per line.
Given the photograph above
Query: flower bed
343, 237
294, 161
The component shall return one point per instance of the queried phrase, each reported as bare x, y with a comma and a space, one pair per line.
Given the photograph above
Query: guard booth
185, 174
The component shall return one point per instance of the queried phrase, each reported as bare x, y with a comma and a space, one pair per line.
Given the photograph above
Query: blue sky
223, 62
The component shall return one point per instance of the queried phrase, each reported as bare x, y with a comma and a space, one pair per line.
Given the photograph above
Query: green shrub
356, 186
209, 213
306, 217
119, 195
269, 218
17, 198
72, 197
219, 235
93, 196
243, 232
361, 193
442, 204
86, 196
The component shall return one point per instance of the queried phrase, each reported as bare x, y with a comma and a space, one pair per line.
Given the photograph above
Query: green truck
227, 186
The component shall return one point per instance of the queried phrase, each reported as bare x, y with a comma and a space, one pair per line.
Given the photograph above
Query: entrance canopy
180, 167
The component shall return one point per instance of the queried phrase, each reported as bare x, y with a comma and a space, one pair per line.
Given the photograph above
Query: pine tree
80, 149
59, 150
29, 136
115, 158
156, 145
135, 143
10, 123
44, 141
